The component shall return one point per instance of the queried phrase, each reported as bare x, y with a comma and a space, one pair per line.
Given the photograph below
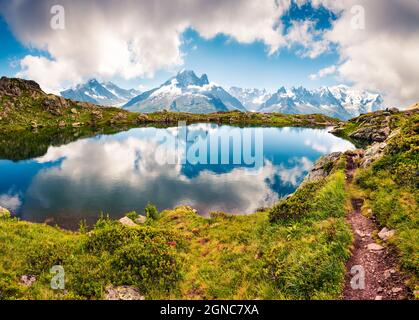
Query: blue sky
225, 60
229, 63
10, 50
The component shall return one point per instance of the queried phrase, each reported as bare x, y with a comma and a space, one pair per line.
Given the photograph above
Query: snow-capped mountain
356, 101
106, 93
123, 94
338, 101
185, 92
251, 99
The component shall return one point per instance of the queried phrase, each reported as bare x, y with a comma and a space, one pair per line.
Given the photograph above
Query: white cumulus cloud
323, 73
130, 38
305, 34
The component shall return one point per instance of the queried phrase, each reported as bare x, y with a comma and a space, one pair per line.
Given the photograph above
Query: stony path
382, 280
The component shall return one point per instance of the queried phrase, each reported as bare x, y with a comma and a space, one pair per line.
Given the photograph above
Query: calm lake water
119, 173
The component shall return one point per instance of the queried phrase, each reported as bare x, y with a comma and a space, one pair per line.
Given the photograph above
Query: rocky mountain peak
188, 77
282, 90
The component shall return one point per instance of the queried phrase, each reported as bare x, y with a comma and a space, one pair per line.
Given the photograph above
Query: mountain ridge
338, 101
186, 92
100, 93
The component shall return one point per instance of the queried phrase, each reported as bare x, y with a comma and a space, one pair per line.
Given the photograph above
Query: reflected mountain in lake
119, 173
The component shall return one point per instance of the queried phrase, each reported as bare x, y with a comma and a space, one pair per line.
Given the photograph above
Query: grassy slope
182, 255
390, 187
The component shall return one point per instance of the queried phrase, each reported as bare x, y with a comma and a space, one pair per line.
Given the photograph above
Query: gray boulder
127, 222
122, 293
373, 134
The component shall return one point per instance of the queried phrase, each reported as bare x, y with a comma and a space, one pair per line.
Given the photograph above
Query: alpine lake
62, 180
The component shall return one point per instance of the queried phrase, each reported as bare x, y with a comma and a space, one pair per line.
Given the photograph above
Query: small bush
409, 246
83, 228
87, 276
9, 290
4, 213
151, 212
148, 265
112, 235
132, 215
46, 255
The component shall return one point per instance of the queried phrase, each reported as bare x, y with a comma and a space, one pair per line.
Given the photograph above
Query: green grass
183, 255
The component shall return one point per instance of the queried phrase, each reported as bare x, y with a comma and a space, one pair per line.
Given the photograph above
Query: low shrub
9, 290
87, 276
132, 215
151, 212
45, 255
148, 265
110, 236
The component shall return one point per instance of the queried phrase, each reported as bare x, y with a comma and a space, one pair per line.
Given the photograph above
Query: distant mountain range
252, 99
339, 101
101, 93
186, 92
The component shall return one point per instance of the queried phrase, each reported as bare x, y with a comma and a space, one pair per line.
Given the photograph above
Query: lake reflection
119, 173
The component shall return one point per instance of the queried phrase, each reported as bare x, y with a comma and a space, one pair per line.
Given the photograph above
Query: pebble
360, 233
27, 280
374, 247
388, 273
396, 290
